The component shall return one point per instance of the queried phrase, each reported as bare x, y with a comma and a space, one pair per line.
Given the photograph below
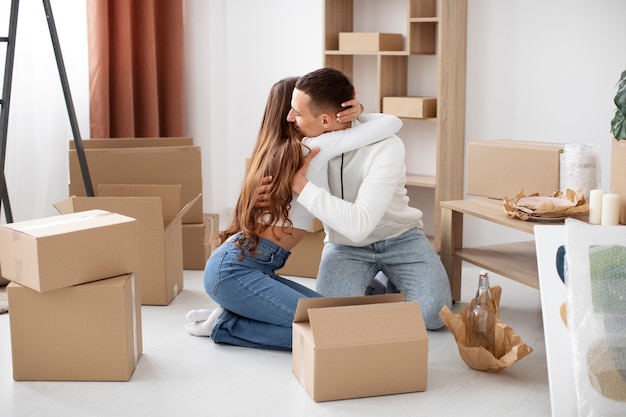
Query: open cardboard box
87, 332
148, 161
157, 209
359, 346
60, 251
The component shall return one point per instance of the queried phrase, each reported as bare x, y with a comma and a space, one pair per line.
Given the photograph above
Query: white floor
183, 375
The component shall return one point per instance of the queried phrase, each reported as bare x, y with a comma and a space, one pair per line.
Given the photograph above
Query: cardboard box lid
170, 195
304, 304
103, 143
352, 325
147, 209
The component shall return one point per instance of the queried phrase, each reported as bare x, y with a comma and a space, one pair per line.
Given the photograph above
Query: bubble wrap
596, 315
580, 168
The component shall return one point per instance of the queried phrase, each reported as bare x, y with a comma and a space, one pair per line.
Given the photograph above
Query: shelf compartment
516, 261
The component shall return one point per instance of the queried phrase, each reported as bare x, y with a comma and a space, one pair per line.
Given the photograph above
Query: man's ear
327, 120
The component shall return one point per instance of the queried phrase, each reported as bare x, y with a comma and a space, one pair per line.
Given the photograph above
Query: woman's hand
299, 178
353, 110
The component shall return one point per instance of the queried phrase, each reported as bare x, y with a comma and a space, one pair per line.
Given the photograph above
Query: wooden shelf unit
434, 27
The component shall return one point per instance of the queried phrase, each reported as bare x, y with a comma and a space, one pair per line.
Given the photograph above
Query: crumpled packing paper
509, 345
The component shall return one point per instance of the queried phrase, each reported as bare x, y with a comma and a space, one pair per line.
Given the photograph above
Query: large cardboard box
411, 107
501, 168
359, 346
158, 213
370, 41
88, 332
304, 260
60, 251
198, 241
618, 175
141, 161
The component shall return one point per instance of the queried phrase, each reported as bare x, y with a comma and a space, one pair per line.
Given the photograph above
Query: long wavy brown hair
277, 153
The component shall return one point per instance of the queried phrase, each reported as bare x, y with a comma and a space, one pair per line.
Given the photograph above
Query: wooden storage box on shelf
370, 41
411, 107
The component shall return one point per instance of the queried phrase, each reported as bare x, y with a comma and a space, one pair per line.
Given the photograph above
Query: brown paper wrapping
547, 210
509, 345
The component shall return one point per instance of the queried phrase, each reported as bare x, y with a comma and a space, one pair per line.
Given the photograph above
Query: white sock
205, 327
198, 315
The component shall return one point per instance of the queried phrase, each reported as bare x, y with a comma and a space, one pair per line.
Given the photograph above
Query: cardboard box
160, 274
618, 186
141, 161
359, 346
618, 174
370, 41
501, 168
197, 241
304, 260
88, 332
60, 251
411, 107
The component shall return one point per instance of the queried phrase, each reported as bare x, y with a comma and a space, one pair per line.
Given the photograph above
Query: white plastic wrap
596, 315
580, 168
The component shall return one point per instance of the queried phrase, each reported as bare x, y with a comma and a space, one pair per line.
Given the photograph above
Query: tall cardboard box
501, 168
59, 251
141, 161
157, 209
618, 174
87, 332
359, 346
198, 241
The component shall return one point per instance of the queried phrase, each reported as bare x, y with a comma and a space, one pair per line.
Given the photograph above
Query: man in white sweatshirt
367, 192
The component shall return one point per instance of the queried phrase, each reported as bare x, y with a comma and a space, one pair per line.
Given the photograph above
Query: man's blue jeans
259, 305
409, 262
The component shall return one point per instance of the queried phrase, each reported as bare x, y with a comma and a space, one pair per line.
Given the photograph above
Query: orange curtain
136, 68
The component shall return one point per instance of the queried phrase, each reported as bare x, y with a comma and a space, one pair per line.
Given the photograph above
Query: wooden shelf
372, 53
516, 261
425, 181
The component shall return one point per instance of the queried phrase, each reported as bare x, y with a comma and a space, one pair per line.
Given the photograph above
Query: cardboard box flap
184, 210
366, 324
170, 194
304, 304
133, 142
147, 208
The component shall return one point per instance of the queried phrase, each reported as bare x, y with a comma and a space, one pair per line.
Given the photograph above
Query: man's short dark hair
328, 89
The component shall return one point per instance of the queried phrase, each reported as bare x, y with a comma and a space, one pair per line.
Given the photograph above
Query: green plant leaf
618, 127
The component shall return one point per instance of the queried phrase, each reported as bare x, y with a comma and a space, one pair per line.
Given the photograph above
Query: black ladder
6, 101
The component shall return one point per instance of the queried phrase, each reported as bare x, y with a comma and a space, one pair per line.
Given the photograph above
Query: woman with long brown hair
257, 306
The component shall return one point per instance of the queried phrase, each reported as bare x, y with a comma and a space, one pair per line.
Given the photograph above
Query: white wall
537, 70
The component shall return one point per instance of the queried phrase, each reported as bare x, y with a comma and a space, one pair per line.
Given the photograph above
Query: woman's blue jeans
409, 262
259, 304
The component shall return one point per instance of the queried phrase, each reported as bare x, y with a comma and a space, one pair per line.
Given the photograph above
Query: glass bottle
481, 320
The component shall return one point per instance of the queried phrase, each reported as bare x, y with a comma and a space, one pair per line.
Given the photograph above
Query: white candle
595, 206
610, 209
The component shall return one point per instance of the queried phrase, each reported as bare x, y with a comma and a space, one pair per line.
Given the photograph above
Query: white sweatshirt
375, 205
371, 128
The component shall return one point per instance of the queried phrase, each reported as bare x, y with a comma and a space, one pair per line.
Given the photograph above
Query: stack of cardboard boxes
158, 181
75, 311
